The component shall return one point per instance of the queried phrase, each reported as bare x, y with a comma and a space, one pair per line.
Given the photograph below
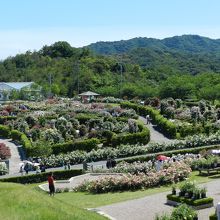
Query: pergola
88, 96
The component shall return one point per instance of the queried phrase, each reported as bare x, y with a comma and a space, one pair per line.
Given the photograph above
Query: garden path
15, 158
146, 208
155, 136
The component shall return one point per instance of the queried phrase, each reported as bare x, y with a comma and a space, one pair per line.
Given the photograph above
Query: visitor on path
37, 169
68, 165
51, 184
21, 169
26, 168
148, 119
109, 163
43, 168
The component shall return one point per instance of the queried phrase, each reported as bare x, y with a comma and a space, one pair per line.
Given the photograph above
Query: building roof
88, 94
17, 85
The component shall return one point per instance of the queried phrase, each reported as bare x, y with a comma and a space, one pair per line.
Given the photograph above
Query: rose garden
58, 132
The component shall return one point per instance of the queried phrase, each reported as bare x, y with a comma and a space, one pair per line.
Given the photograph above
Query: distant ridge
184, 43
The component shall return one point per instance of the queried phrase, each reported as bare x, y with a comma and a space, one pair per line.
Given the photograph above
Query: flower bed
191, 195
5, 152
197, 204
181, 212
174, 173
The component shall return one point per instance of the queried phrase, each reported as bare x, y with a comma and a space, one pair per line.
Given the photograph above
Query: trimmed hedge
167, 127
213, 217
85, 145
167, 153
41, 177
4, 131
83, 117
3, 119
191, 202
142, 137
22, 139
16, 135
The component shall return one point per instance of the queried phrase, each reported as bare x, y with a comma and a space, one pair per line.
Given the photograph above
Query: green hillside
182, 67
20, 202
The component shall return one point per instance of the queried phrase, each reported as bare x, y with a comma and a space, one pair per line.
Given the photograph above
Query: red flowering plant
5, 152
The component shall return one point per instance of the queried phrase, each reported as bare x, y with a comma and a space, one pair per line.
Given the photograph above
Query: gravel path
155, 136
15, 155
146, 208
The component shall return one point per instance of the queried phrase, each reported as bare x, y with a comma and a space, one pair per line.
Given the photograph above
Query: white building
7, 87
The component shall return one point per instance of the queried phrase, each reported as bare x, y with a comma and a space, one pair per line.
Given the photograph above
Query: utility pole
120, 80
76, 71
78, 78
50, 83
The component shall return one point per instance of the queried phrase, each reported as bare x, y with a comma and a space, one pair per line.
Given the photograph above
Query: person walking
21, 169
148, 119
51, 184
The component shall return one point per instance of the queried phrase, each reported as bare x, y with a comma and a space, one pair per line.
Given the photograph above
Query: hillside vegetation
182, 67
19, 202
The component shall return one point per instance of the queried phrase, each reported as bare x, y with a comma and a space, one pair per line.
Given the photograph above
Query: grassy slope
22, 202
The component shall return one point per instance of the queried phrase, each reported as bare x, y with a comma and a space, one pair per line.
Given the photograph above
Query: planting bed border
209, 170
184, 200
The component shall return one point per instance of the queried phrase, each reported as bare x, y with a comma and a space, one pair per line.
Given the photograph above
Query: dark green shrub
25, 142
213, 217
22, 139
4, 119
4, 131
83, 117
142, 137
41, 177
16, 135
167, 153
85, 145
192, 202
183, 212
167, 127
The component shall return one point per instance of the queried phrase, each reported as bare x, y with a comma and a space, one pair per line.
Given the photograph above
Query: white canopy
88, 94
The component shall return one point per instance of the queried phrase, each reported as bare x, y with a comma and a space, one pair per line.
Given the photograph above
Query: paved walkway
77, 180
15, 158
146, 208
155, 136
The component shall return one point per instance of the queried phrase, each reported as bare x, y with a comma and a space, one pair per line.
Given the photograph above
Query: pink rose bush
175, 172
5, 152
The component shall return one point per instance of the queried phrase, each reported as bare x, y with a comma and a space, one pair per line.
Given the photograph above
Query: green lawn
87, 200
22, 202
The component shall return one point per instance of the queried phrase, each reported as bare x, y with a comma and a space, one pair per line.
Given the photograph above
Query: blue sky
30, 24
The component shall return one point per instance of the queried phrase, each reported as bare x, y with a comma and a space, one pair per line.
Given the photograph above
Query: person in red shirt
51, 184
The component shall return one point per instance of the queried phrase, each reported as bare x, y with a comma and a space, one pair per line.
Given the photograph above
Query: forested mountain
184, 43
181, 67
183, 54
